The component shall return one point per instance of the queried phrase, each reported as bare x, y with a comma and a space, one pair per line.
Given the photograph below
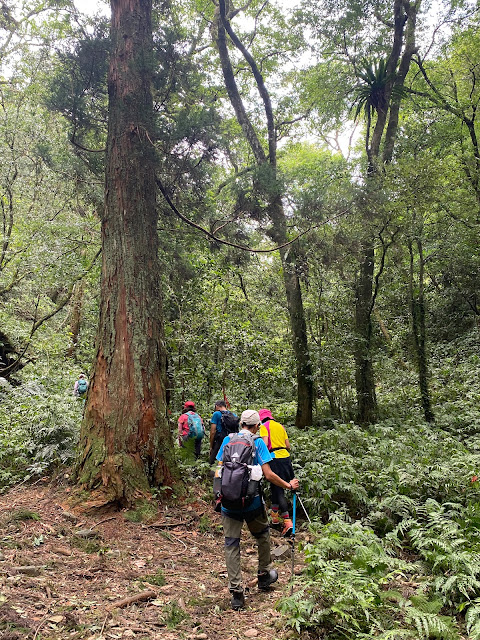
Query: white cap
250, 418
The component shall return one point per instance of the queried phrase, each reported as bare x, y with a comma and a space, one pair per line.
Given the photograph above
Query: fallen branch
166, 525
102, 521
30, 570
63, 551
139, 597
42, 622
103, 625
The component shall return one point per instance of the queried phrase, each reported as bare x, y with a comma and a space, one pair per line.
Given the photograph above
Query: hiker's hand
294, 484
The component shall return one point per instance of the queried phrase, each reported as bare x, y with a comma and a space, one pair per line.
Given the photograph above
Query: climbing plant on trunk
381, 94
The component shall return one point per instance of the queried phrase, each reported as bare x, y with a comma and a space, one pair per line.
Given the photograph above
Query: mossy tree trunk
379, 146
126, 444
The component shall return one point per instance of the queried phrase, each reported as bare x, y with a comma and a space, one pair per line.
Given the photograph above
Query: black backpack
237, 490
230, 424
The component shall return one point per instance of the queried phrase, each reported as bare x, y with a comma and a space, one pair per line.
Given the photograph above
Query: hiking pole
292, 538
304, 510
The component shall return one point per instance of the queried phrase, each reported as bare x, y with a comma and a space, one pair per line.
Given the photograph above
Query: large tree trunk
384, 134
126, 444
298, 326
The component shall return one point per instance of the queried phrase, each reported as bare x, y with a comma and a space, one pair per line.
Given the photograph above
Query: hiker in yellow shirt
275, 437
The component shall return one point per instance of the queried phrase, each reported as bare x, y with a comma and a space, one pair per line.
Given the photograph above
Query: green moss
96, 456
21, 515
157, 578
87, 545
205, 526
174, 615
144, 511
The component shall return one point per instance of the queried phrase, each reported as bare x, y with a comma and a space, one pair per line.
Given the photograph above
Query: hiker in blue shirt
218, 428
254, 513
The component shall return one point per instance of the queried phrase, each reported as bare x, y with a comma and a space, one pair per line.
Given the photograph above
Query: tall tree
270, 189
369, 46
381, 92
126, 444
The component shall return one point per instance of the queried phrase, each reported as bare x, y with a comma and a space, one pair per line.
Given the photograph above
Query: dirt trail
59, 582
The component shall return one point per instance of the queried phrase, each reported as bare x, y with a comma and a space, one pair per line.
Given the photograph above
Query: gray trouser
232, 529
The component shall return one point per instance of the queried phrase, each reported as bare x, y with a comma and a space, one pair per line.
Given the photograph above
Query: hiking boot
276, 519
287, 528
266, 578
238, 600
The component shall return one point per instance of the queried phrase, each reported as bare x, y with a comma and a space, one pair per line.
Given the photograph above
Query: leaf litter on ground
79, 579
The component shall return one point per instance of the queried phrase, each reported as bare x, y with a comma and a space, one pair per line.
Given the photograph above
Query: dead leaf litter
70, 576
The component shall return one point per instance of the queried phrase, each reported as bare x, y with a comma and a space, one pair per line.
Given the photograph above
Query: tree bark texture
364, 375
417, 310
126, 444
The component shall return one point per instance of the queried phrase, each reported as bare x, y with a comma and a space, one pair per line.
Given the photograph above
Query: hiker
190, 428
235, 474
80, 387
222, 423
275, 437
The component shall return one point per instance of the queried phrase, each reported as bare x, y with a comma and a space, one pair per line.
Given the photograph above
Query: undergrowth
38, 430
395, 545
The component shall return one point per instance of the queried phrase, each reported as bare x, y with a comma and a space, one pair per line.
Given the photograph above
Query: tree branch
272, 147
210, 235
38, 323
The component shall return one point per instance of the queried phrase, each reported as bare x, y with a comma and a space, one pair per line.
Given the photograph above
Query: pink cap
265, 413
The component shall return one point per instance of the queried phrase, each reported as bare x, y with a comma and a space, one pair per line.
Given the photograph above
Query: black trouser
217, 443
283, 468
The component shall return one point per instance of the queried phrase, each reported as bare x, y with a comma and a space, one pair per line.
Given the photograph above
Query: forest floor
63, 574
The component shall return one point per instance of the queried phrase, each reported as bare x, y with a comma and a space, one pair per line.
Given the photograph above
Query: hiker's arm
287, 444
180, 429
213, 430
272, 477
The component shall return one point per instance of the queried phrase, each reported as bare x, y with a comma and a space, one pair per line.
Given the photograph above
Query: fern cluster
39, 426
395, 549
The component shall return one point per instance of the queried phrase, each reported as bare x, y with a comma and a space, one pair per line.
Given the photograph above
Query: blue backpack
195, 426
82, 386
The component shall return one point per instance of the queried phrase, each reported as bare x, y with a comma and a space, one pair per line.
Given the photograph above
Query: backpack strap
269, 443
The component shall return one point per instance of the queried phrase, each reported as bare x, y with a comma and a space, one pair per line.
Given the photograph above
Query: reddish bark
125, 441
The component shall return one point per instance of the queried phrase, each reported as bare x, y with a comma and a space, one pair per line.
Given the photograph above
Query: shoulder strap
267, 427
